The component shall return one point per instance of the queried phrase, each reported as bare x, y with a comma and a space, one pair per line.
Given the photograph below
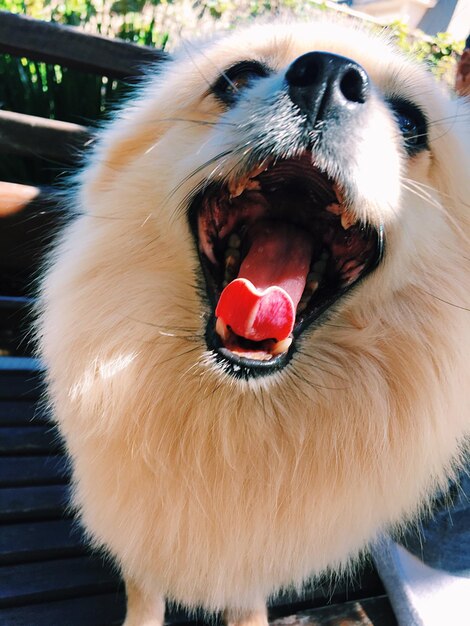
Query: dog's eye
227, 87
412, 124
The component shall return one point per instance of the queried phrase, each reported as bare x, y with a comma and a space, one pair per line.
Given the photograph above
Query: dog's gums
279, 246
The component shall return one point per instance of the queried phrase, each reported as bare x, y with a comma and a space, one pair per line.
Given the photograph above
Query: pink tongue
261, 303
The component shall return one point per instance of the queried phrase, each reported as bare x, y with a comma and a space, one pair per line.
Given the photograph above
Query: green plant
440, 53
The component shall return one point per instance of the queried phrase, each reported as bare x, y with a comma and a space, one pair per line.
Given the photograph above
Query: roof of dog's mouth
278, 247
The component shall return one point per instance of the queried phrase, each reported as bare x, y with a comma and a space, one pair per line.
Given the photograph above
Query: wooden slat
365, 583
379, 610
21, 413
356, 613
109, 610
95, 610
24, 238
55, 580
26, 471
13, 303
29, 440
12, 323
13, 197
36, 541
19, 385
20, 378
16, 198
34, 136
70, 47
39, 503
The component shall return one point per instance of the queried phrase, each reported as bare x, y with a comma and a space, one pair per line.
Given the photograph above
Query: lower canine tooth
237, 188
347, 220
232, 253
334, 208
234, 241
221, 329
253, 185
232, 260
339, 193
319, 266
313, 280
256, 172
282, 346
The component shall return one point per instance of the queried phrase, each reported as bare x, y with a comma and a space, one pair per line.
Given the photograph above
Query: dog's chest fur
236, 498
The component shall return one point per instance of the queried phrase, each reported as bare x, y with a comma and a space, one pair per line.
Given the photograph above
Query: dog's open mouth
278, 247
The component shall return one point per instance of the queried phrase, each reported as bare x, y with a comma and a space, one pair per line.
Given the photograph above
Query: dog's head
301, 173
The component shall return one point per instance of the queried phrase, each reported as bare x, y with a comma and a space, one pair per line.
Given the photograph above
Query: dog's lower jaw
145, 610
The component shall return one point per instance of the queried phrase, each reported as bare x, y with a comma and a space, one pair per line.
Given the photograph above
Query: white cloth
421, 595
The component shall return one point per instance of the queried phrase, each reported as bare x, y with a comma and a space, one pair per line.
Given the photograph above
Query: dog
255, 326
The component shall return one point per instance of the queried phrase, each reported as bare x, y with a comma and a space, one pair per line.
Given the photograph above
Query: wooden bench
47, 574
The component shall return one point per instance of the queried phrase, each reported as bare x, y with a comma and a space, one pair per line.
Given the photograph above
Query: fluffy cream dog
255, 327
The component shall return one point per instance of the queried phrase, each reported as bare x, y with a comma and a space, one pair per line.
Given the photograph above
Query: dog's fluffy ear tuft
450, 144
137, 126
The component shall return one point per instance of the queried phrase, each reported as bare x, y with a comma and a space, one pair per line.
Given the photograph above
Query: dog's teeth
232, 261
228, 276
314, 276
232, 254
319, 266
349, 265
234, 241
221, 329
334, 208
313, 282
253, 185
259, 170
236, 188
281, 346
339, 193
312, 286
347, 220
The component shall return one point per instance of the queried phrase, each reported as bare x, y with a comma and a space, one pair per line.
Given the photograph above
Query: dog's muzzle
279, 240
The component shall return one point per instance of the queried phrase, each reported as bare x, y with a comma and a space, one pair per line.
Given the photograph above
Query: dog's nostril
354, 85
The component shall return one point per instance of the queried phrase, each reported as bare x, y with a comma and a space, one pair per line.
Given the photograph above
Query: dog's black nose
321, 84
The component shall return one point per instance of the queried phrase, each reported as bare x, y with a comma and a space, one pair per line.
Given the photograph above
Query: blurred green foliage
440, 53
60, 93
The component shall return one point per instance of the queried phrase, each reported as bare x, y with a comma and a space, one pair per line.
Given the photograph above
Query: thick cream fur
217, 492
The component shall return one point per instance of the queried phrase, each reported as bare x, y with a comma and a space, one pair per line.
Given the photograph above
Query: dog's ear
136, 127
450, 140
